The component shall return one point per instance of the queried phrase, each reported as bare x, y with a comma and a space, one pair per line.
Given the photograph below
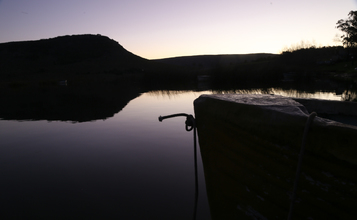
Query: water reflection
129, 166
347, 95
168, 93
329, 95
171, 94
76, 103
80, 103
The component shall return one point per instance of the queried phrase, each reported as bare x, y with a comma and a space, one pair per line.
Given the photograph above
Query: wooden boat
250, 146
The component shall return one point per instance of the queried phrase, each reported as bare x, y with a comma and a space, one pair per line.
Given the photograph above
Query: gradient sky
167, 28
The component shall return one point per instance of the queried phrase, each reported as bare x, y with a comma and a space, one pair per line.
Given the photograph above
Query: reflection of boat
250, 145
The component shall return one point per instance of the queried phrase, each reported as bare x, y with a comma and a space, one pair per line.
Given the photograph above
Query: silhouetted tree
349, 27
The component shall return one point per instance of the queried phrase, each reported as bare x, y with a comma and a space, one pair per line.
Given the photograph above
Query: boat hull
250, 146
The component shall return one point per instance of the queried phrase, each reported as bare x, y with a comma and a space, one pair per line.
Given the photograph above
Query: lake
126, 166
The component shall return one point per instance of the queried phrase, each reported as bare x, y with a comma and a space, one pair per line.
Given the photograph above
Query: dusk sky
167, 28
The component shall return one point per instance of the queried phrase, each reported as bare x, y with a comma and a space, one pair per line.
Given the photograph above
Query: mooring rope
298, 170
190, 124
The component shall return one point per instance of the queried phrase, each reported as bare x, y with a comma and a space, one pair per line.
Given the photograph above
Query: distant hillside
210, 61
80, 54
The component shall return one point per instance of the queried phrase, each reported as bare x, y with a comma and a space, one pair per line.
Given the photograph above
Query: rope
298, 170
190, 124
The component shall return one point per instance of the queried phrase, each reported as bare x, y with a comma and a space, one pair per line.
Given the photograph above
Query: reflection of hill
76, 103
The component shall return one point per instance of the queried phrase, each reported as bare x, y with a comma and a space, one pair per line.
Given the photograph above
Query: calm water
129, 166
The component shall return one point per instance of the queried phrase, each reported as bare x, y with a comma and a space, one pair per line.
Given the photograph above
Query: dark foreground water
129, 166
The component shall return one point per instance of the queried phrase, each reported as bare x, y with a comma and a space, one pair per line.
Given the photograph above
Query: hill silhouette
97, 58
66, 55
211, 61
